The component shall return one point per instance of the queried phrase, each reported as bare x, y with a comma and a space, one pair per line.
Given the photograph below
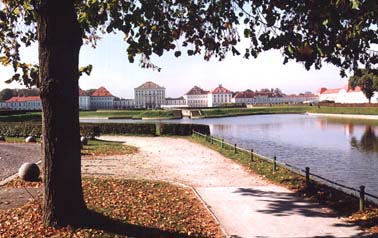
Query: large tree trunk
59, 37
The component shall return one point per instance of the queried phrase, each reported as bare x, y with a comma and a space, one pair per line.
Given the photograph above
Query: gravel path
174, 160
13, 155
245, 204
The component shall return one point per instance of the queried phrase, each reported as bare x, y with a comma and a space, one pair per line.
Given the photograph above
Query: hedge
15, 129
183, 129
95, 129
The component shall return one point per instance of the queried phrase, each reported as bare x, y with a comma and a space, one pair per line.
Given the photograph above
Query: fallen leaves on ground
368, 219
146, 205
19, 183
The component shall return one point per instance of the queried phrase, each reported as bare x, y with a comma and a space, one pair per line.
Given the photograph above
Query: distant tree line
8, 93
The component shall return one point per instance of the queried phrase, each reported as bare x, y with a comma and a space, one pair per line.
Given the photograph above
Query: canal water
341, 150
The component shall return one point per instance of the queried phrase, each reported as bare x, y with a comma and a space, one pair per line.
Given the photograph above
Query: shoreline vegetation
350, 112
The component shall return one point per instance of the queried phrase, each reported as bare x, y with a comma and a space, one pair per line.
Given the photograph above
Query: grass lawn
345, 110
93, 148
341, 203
29, 116
131, 114
101, 148
120, 208
224, 112
19, 139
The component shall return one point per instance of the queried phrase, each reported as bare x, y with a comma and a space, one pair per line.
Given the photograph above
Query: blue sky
113, 70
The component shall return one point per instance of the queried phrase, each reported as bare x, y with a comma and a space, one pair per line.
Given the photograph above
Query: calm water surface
338, 150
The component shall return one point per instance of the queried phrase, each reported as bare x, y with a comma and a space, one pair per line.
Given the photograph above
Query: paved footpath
13, 155
245, 204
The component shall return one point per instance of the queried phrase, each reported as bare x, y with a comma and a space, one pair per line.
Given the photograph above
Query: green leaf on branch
87, 70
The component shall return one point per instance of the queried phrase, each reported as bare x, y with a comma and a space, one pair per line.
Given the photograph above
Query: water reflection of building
348, 129
321, 123
326, 124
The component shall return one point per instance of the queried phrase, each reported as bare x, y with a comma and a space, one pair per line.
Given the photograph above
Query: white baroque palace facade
31, 103
196, 97
121, 103
345, 95
84, 100
149, 95
219, 96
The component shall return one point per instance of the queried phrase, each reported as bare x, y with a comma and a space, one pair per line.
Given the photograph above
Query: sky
112, 70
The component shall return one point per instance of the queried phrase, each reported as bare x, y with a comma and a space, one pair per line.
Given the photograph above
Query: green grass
29, 116
345, 110
18, 139
224, 112
260, 166
101, 148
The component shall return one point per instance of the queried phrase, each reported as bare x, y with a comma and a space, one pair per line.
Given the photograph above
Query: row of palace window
145, 93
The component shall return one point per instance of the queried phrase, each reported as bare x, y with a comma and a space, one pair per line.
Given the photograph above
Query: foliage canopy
367, 81
340, 32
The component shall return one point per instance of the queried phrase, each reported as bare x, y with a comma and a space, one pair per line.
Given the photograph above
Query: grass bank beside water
344, 110
132, 114
228, 112
286, 109
342, 204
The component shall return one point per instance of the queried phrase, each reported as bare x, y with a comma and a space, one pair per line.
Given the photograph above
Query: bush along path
246, 204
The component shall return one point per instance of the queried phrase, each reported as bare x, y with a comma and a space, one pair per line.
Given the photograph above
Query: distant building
300, 98
196, 97
174, 103
246, 97
120, 103
29, 103
219, 96
250, 98
149, 95
84, 100
345, 95
102, 99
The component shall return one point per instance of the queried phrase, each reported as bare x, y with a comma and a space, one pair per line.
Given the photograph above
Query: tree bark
60, 39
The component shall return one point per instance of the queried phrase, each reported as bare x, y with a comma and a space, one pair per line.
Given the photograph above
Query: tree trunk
60, 39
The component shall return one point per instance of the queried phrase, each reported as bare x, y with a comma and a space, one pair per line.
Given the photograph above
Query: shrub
183, 129
14, 129
95, 129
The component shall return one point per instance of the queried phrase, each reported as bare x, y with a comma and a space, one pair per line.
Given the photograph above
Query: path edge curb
13, 176
209, 210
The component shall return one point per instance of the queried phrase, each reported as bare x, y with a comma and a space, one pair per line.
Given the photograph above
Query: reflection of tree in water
368, 141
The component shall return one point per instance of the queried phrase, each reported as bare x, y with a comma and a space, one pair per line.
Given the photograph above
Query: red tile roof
82, 92
332, 91
196, 91
101, 92
355, 90
24, 99
321, 90
149, 85
220, 89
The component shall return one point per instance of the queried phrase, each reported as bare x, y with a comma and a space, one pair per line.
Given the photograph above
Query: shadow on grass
117, 228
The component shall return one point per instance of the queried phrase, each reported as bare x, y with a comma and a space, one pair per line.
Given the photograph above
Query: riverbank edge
352, 116
246, 114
